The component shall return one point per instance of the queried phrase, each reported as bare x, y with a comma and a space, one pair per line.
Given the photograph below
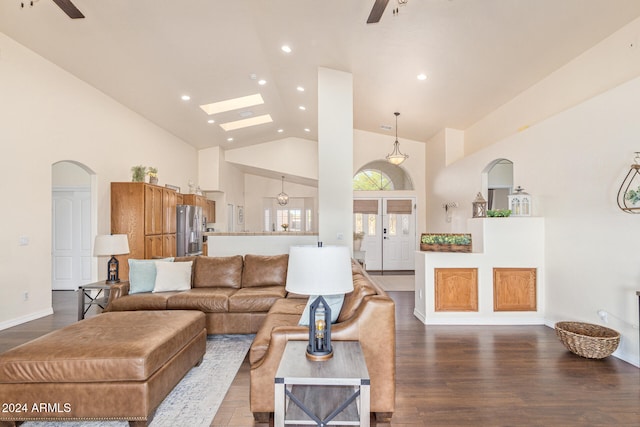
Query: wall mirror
497, 183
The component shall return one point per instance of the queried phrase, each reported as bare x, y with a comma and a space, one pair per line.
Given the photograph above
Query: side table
330, 392
86, 300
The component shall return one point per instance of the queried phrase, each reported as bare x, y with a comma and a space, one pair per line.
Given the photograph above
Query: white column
335, 157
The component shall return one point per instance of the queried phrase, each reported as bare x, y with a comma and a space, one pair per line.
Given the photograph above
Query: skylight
233, 104
252, 121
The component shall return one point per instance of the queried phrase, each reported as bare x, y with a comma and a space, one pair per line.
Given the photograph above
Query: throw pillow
334, 302
142, 274
173, 276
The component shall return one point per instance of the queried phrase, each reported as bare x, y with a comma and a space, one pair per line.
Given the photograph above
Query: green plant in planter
445, 239
138, 173
499, 213
633, 196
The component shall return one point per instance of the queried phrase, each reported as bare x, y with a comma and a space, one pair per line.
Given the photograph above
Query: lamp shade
111, 244
319, 270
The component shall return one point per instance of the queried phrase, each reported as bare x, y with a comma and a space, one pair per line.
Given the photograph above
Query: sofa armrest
118, 290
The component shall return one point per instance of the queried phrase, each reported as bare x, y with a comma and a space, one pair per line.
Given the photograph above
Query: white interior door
367, 219
389, 227
398, 234
71, 240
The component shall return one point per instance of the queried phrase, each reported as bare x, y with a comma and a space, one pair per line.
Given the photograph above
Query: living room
571, 136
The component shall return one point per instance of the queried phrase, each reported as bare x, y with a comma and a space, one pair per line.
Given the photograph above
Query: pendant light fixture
283, 198
396, 157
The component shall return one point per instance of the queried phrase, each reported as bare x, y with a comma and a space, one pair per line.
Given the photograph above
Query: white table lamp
319, 271
111, 245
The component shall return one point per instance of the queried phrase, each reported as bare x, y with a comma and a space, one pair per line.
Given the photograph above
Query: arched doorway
73, 225
385, 215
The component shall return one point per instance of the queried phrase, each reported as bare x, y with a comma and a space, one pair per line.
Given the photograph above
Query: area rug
196, 399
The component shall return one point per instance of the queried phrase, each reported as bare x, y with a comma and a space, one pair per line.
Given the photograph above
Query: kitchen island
256, 243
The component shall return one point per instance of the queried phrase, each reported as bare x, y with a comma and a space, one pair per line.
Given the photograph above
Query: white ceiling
477, 54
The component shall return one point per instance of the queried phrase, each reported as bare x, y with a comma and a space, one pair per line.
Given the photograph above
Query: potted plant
153, 175
357, 240
633, 196
137, 173
445, 242
502, 213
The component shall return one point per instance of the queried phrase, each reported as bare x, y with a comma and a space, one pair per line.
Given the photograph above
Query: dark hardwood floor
458, 376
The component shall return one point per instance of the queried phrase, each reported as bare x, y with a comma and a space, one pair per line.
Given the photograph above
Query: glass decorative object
520, 202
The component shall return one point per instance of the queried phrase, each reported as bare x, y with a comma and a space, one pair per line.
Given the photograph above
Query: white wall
608, 64
335, 157
369, 146
49, 115
258, 187
572, 164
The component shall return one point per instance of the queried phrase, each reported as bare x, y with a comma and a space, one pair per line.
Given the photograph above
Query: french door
389, 227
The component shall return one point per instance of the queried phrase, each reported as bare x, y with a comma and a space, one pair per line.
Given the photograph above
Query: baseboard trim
24, 319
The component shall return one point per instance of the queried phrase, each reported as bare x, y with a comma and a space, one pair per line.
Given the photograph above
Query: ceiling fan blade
376, 11
69, 8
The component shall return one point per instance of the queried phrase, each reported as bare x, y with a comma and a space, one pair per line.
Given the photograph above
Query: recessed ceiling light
185, 97
262, 82
211, 121
229, 139
286, 49
232, 104
300, 89
280, 130
302, 107
422, 76
252, 121
307, 130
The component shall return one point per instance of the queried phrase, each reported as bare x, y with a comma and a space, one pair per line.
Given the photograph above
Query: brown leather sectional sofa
247, 295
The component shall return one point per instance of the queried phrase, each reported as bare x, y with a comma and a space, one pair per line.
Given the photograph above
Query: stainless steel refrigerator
189, 230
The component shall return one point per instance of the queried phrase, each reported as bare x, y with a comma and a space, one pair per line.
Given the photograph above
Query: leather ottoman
114, 366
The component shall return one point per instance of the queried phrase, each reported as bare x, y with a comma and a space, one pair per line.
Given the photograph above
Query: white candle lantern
520, 202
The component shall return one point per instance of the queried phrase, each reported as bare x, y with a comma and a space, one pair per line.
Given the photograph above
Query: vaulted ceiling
476, 55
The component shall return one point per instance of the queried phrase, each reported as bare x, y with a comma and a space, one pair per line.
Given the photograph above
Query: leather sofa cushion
218, 272
262, 270
255, 299
111, 347
289, 306
263, 337
361, 288
207, 300
142, 301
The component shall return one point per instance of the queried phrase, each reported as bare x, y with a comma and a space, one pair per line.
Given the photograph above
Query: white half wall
573, 164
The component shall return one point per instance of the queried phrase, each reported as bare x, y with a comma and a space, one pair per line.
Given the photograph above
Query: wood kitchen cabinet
456, 289
208, 206
514, 289
147, 214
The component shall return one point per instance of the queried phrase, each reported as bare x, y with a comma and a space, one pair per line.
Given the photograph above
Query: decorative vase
153, 180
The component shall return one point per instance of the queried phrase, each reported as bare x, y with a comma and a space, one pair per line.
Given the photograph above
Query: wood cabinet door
169, 203
456, 289
153, 246
168, 245
211, 211
152, 209
514, 289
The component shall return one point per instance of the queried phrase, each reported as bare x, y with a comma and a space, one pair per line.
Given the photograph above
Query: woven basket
588, 340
